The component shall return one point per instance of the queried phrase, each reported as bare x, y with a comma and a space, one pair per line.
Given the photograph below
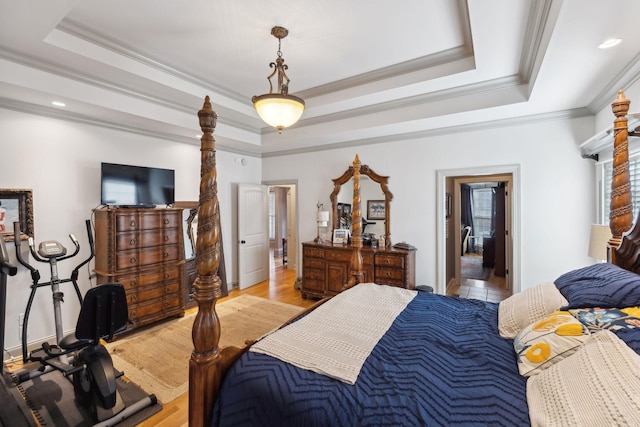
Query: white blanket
337, 337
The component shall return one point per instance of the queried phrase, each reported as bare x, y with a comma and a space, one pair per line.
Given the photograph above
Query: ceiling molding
416, 100
626, 78
37, 64
473, 127
226, 144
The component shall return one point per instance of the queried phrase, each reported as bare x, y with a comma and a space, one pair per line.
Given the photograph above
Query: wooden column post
621, 215
205, 369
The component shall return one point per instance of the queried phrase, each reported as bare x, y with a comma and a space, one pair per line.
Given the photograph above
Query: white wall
557, 192
60, 162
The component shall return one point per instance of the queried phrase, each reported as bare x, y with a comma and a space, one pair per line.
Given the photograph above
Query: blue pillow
600, 285
631, 337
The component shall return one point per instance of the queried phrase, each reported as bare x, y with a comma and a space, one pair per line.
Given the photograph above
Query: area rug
158, 360
52, 402
471, 268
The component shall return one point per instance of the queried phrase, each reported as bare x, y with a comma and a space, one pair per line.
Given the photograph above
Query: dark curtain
466, 214
492, 231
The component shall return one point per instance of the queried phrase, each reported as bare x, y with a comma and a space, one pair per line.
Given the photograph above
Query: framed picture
16, 205
340, 236
376, 209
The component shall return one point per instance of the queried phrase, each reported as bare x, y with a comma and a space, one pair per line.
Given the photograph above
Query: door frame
441, 220
292, 249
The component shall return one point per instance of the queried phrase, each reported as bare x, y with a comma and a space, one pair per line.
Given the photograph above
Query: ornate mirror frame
382, 180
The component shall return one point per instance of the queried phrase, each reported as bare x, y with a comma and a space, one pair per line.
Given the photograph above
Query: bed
542, 357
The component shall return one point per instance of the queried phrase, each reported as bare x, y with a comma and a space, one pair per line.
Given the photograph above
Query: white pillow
522, 309
599, 385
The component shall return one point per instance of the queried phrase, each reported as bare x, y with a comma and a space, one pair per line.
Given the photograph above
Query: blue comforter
441, 363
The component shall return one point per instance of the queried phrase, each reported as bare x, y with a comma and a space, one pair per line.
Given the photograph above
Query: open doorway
482, 271
480, 241
282, 227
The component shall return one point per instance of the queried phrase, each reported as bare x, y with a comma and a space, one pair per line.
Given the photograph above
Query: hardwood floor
279, 288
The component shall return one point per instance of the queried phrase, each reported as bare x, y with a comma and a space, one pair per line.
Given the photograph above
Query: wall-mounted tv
136, 186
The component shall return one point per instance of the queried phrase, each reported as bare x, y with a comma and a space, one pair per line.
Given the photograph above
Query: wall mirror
375, 202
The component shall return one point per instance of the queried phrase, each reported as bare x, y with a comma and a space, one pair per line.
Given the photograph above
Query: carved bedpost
356, 229
621, 214
205, 363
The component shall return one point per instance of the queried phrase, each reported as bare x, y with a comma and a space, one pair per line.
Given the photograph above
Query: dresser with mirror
326, 267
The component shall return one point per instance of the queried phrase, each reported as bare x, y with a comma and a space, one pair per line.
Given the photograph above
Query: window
634, 178
272, 215
482, 213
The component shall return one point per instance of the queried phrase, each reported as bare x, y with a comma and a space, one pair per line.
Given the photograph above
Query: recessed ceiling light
609, 43
59, 104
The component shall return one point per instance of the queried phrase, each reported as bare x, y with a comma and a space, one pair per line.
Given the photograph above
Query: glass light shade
322, 218
279, 111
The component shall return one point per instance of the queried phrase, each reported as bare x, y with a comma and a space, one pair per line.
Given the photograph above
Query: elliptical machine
81, 355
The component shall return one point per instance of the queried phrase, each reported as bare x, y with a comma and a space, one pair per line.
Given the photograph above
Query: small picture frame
16, 205
340, 236
376, 209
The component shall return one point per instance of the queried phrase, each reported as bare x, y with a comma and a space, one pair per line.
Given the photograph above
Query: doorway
481, 271
450, 227
282, 227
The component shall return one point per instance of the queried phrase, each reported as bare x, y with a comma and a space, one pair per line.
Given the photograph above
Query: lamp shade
322, 218
600, 235
278, 110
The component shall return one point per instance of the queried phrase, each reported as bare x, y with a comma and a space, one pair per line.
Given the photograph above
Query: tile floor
492, 290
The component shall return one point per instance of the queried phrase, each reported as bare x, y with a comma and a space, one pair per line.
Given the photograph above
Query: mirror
375, 202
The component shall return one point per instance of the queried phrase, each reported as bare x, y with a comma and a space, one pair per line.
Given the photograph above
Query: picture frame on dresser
340, 236
16, 205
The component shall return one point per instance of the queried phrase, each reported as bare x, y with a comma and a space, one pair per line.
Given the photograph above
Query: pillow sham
600, 285
599, 385
631, 337
522, 309
547, 341
597, 319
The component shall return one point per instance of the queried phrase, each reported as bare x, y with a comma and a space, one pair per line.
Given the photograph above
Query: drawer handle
388, 274
387, 261
133, 260
166, 254
132, 314
132, 242
132, 223
166, 238
167, 290
134, 298
134, 283
166, 304
166, 275
166, 221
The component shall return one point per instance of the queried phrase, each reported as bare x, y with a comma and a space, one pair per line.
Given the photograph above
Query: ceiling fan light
277, 110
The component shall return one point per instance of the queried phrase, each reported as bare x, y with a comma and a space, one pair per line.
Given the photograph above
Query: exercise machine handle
74, 273
35, 274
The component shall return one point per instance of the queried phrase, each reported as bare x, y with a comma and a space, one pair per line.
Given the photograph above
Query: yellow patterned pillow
548, 341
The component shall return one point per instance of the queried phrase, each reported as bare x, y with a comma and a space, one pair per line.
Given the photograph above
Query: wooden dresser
143, 250
325, 268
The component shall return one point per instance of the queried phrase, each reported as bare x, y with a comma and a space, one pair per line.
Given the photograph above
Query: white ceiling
369, 71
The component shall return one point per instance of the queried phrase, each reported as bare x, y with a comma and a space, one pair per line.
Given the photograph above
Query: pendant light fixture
279, 109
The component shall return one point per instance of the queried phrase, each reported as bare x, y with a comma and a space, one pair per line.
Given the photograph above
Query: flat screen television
136, 186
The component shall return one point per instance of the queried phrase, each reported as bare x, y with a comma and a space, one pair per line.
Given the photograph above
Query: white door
253, 235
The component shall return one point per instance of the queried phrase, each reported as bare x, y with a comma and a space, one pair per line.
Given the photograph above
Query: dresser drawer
150, 220
313, 252
313, 263
385, 274
339, 256
154, 255
311, 284
313, 273
387, 260
133, 281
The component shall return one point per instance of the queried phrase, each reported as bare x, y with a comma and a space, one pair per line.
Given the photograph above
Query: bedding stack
577, 340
